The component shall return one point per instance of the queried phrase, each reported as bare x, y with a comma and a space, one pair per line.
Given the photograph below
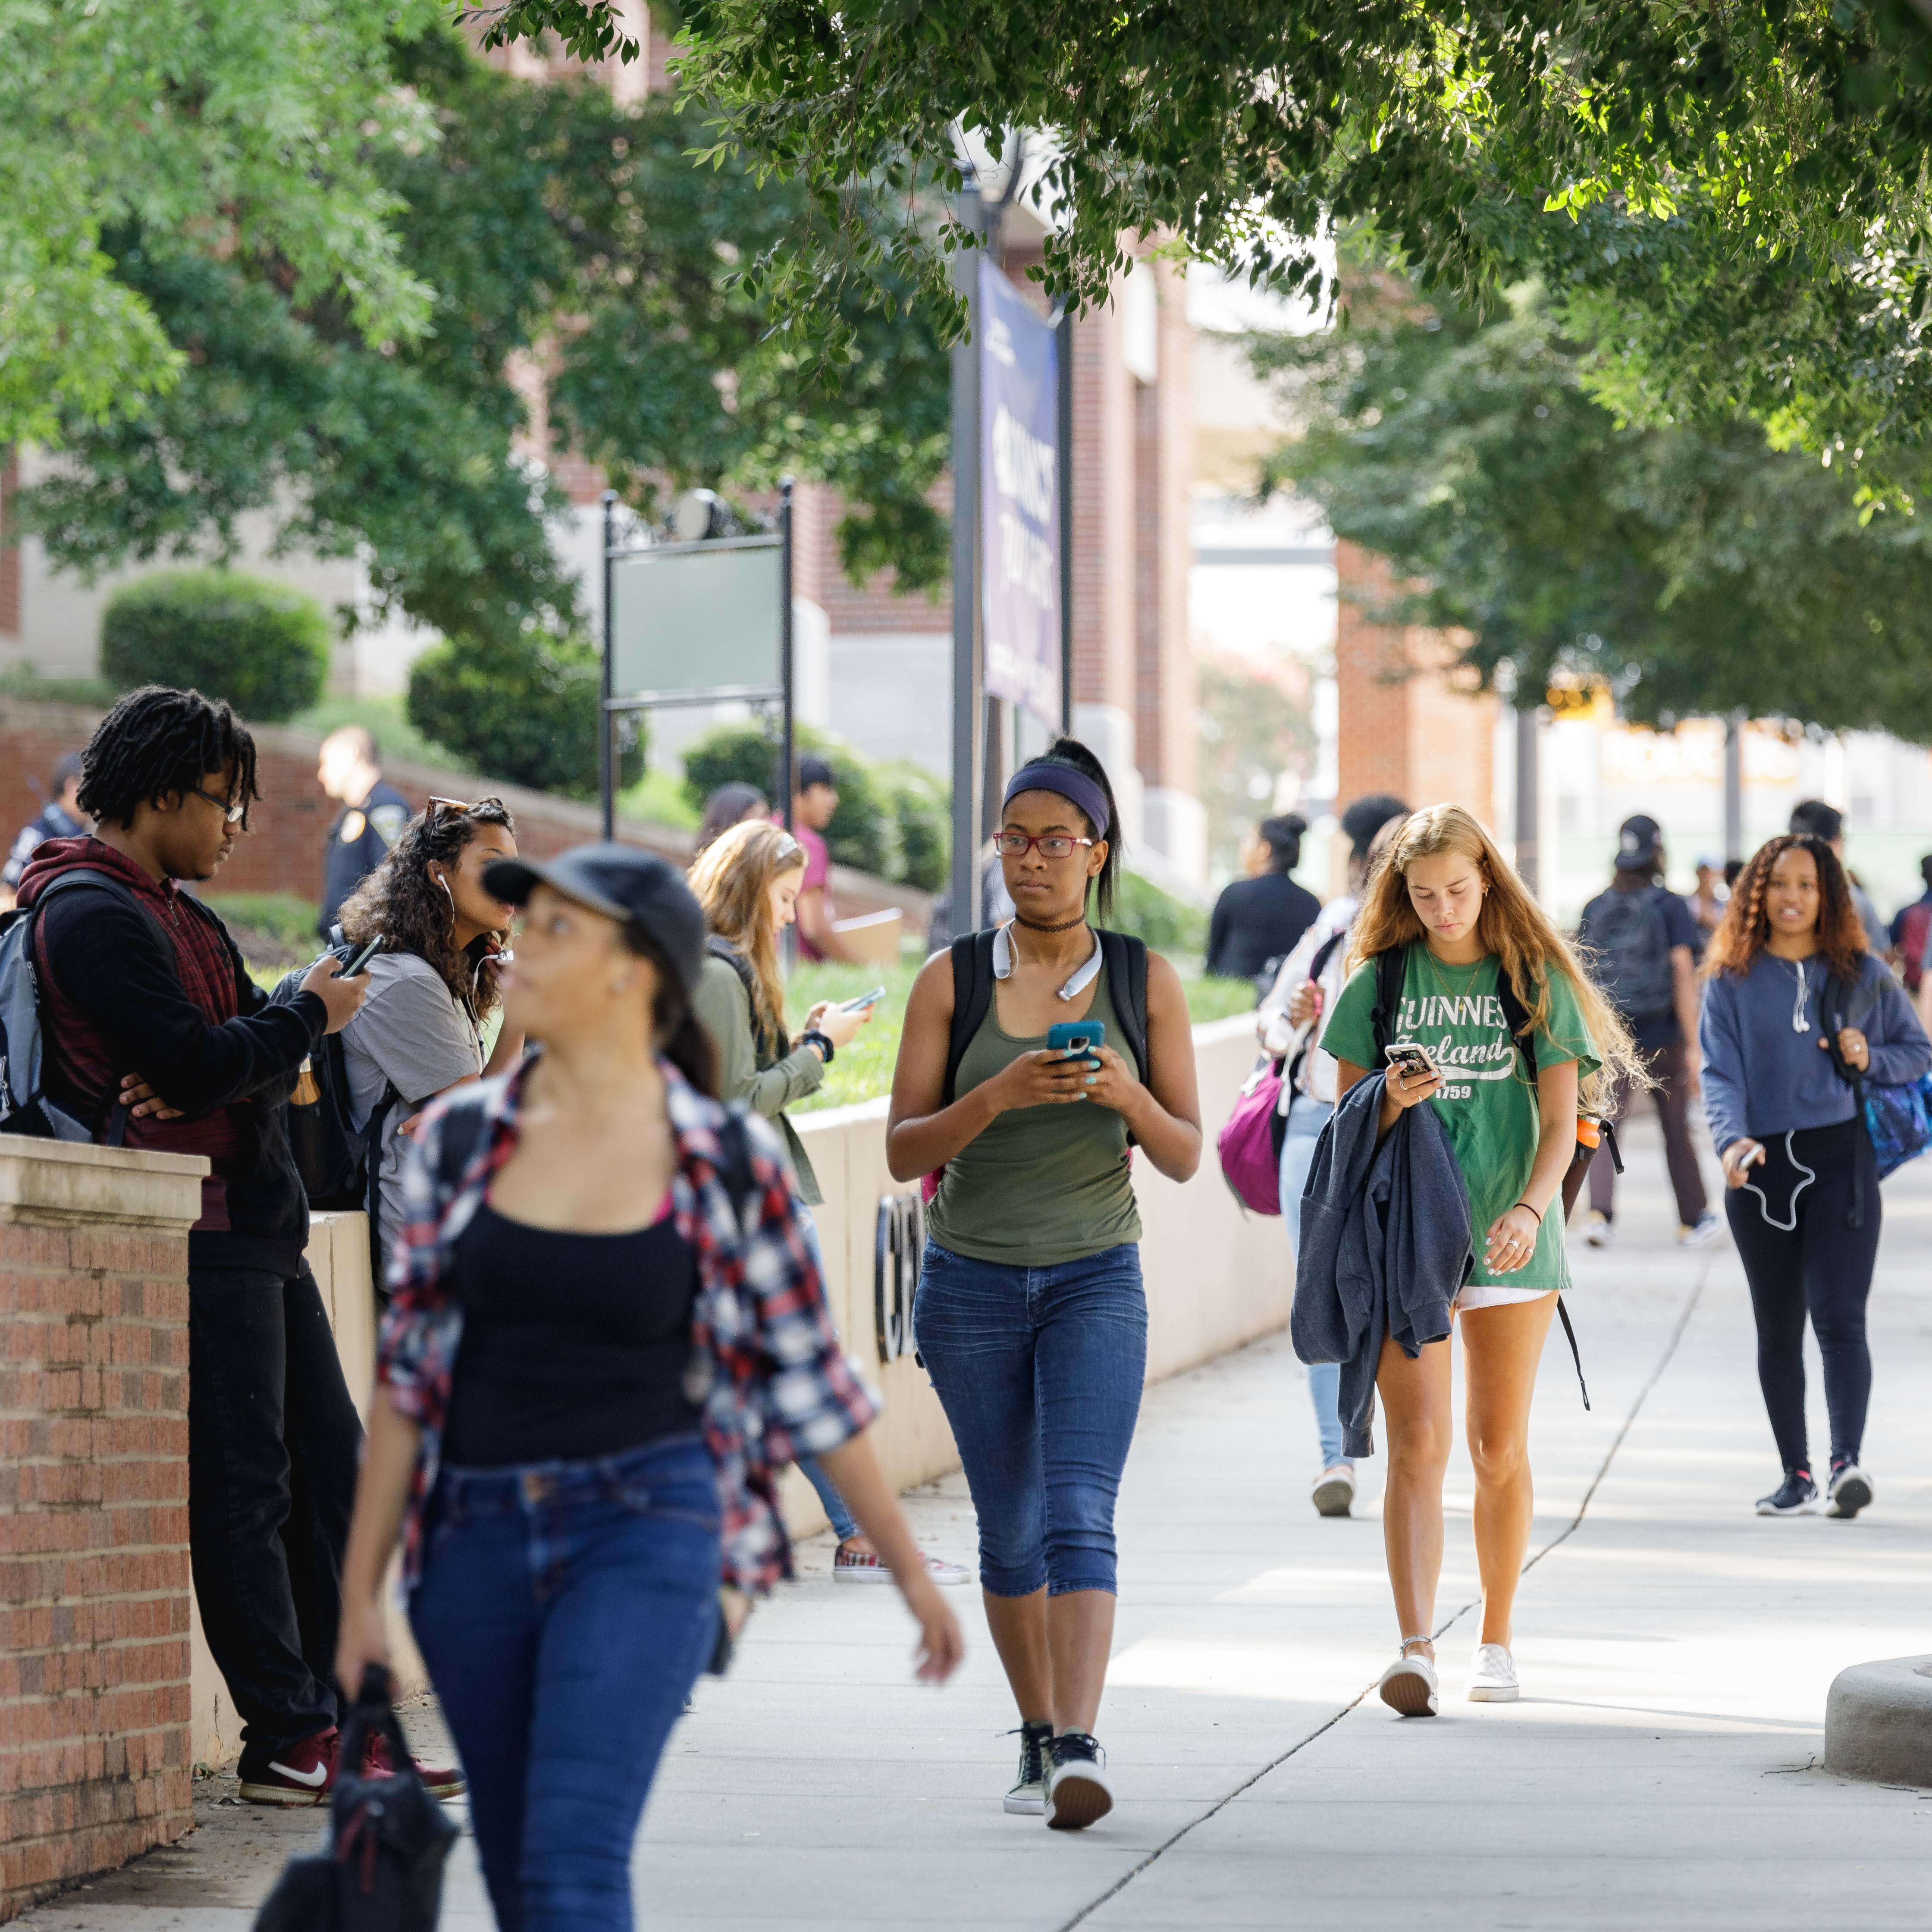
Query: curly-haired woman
1804, 1200
433, 985
1452, 905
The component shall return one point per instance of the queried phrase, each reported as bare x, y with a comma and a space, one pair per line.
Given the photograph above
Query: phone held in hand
1410, 1057
1073, 1036
864, 1003
359, 960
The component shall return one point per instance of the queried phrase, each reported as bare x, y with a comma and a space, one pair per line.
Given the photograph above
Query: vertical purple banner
1019, 499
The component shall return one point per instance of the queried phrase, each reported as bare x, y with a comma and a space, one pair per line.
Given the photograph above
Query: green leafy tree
1698, 572
250, 129
554, 225
1740, 161
861, 832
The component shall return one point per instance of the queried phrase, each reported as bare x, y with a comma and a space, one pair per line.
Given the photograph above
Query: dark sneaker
1078, 1792
297, 1774
1798, 1495
1850, 1491
1028, 1798
378, 1761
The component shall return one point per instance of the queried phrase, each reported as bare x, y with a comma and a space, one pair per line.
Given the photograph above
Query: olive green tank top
1041, 1185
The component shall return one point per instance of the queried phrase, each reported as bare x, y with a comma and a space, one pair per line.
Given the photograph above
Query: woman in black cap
608, 1328
1030, 1314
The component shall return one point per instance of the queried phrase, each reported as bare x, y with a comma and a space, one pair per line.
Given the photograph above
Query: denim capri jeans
1039, 1371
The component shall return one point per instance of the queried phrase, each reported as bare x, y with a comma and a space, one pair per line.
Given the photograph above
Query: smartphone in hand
1071, 1037
864, 1002
1412, 1058
358, 960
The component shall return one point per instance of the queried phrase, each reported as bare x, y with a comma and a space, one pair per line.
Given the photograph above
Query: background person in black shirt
373, 815
1257, 920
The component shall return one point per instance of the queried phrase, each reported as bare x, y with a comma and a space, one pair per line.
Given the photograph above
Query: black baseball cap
624, 883
1639, 841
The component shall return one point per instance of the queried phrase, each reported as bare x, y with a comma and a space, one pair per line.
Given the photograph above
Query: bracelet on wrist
1526, 1205
815, 1038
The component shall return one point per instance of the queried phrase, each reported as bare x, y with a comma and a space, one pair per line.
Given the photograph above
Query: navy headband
1076, 787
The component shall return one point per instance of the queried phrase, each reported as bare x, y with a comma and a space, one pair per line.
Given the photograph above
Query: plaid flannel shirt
767, 1368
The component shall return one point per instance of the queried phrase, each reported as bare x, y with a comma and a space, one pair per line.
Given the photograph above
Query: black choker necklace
1065, 926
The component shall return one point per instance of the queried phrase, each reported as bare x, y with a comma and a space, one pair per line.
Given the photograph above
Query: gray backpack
1630, 947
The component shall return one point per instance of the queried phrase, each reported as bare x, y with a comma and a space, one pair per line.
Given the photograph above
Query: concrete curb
1878, 1721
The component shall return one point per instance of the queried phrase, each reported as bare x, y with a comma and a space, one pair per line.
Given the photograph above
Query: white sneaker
1708, 1227
1078, 1791
1334, 1490
943, 1572
1597, 1229
1492, 1679
1408, 1686
1851, 1490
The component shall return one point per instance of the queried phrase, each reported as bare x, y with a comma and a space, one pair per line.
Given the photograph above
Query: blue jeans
1039, 1371
565, 1609
843, 1527
1306, 1119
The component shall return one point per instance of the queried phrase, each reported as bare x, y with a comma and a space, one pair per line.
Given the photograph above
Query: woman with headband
1030, 1315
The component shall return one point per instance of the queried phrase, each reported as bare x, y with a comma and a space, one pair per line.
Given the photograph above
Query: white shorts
1482, 1295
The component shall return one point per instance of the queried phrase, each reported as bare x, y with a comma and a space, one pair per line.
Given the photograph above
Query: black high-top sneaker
1078, 1791
1028, 1796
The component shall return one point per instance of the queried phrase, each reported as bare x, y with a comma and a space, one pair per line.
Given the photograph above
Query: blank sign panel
699, 619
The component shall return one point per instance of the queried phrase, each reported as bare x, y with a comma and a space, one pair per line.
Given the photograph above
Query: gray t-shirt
412, 1034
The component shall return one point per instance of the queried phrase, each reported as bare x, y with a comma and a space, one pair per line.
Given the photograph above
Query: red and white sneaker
443, 1784
862, 1566
298, 1774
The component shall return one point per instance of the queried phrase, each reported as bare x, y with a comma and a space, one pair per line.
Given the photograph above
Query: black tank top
573, 1345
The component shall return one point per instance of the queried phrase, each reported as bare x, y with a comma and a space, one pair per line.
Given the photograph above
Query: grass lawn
863, 1071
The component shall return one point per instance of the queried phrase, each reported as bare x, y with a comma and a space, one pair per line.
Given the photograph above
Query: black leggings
1820, 1263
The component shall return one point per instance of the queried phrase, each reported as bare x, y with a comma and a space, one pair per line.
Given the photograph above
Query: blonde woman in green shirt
1448, 897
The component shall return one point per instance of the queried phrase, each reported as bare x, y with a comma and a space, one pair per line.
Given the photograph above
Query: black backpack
1629, 945
389, 1840
1391, 970
1123, 957
25, 1107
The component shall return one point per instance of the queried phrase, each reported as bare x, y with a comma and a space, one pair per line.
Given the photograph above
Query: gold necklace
1442, 973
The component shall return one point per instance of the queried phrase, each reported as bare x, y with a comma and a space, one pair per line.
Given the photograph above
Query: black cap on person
1639, 841
634, 887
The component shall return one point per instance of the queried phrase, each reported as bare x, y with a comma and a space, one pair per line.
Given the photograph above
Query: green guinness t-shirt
1486, 1101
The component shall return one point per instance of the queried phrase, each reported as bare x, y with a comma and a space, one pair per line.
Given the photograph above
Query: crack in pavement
1670, 1347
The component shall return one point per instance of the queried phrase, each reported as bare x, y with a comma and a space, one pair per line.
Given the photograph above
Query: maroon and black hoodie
161, 991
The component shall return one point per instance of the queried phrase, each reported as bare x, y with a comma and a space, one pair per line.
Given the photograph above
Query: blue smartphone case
1089, 1033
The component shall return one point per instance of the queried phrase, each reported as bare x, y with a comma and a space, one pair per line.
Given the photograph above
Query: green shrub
523, 708
1168, 925
263, 647
863, 833
920, 808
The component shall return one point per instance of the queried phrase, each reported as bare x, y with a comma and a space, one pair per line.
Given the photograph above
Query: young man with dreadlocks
156, 1033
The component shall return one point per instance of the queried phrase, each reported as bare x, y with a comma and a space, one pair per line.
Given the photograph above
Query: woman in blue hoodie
1804, 1201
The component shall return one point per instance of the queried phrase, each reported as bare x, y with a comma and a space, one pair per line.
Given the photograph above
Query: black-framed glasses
233, 810
1052, 844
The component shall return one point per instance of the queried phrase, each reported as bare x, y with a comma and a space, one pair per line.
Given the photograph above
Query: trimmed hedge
262, 647
523, 708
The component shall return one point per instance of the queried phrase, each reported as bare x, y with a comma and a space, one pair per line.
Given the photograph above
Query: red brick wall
93, 1562
1410, 722
283, 849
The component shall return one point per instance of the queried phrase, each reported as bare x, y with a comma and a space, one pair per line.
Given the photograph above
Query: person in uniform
373, 815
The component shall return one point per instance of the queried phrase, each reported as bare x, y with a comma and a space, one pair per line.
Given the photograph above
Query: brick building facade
1410, 722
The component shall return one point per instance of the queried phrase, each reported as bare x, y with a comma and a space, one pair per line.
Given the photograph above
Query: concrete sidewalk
1659, 1771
